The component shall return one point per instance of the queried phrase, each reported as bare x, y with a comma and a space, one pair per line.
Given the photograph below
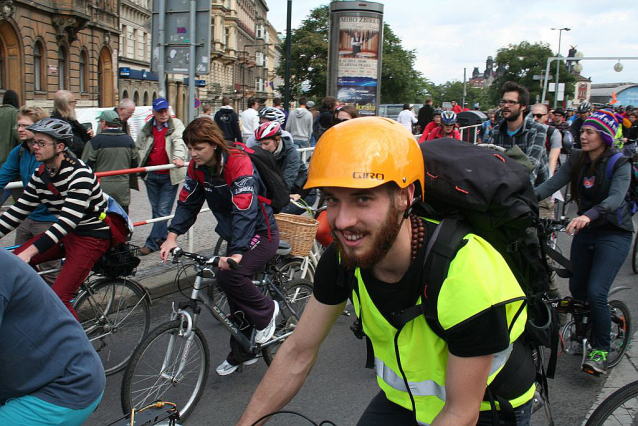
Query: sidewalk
622, 374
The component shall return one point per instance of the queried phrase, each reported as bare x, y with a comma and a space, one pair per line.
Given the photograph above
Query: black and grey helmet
584, 107
56, 128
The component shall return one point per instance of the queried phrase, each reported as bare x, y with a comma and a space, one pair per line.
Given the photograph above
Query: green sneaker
597, 363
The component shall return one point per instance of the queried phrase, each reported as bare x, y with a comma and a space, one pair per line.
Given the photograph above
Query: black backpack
473, 189
277, 193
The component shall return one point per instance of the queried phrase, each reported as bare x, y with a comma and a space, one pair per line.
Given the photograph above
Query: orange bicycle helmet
365, 153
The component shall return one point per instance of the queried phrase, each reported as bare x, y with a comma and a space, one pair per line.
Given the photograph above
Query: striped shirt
78, 205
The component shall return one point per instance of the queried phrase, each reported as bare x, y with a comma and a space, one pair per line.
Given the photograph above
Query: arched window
84, 74
136, 97
154, 95
146, 98
62, 68
38, 66
125, 94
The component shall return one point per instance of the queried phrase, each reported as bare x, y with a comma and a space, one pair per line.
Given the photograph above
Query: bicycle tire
115, 314
620, 331
634, 256
291, 269
165, 387
297, 293
617, 400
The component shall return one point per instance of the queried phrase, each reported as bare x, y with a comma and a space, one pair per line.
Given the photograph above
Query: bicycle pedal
590, 371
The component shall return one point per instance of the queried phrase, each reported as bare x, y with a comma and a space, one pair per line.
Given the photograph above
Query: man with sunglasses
553, 143
528, 135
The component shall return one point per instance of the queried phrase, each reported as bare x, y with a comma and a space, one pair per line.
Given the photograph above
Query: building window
260, 31
125, 95
259, 84
154, 95
227, 38
146, 98
62, 68
259, 59
83, 71
38, 65
136, 98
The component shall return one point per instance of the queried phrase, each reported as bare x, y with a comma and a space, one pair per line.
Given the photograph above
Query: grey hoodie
300, 124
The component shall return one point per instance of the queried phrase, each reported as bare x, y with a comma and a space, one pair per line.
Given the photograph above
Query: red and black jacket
234, 199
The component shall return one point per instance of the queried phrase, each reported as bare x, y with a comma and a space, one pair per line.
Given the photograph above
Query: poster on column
359, 41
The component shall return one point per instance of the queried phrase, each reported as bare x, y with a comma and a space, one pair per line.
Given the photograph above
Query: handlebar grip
233, 265
177, 253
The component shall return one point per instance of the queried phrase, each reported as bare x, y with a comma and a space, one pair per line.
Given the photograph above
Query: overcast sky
451, 35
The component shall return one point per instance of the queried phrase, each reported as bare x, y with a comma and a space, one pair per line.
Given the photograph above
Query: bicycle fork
185, 332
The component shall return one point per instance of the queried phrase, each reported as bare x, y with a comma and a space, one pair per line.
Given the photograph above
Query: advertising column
356, 44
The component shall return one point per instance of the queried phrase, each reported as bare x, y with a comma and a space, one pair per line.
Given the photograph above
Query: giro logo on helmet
366, 175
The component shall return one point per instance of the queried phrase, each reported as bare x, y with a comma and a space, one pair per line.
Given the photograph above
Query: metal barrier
18, 184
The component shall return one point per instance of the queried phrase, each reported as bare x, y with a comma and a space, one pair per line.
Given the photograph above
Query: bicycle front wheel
167, 366
297, 293
115, 314
620, 408
296, 268
620, 331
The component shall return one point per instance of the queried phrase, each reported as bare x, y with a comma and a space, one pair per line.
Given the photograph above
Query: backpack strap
445, 242
42, 173
611, 162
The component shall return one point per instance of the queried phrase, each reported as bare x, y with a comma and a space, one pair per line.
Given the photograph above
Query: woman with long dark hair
226, 179
599, 177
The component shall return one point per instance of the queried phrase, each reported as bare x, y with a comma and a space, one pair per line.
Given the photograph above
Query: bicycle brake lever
177, 253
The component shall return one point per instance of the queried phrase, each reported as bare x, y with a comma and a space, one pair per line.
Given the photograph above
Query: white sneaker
226, 368
264, 335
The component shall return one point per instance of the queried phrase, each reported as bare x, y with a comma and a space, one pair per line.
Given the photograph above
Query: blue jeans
301, 143
596, 258
161, 195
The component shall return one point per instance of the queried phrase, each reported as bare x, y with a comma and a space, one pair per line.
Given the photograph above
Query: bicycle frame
198, 295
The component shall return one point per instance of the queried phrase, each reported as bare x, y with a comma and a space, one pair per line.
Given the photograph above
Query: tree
520, 63
400, 82
453, 91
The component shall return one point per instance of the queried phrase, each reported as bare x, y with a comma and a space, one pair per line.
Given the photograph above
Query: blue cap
160, 103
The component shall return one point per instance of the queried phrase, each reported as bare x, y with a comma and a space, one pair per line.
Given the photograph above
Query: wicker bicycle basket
299, 231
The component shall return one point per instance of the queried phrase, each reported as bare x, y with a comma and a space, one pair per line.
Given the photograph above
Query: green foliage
309, 55
520, 63
453, 91
400, 82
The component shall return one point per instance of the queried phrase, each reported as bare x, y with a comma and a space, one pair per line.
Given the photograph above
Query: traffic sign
197, 103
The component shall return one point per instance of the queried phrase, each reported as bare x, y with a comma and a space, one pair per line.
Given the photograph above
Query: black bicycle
172, 362
618, 409
576, 334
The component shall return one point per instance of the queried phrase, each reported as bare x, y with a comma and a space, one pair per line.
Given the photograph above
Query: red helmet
268, 130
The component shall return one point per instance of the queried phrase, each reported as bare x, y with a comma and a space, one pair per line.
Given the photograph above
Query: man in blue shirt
49, 372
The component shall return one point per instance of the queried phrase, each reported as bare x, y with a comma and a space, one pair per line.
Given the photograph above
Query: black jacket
80, 135
426, 114
228, 122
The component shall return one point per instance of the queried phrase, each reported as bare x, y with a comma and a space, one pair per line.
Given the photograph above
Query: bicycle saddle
284, 248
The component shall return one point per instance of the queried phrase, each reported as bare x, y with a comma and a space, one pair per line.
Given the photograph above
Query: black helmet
584, 107
437, 112
56, 128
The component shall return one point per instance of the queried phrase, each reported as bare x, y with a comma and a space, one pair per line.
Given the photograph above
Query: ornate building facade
136, 81
50, 45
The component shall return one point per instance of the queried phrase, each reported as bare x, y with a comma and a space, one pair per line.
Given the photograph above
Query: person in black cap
159, 143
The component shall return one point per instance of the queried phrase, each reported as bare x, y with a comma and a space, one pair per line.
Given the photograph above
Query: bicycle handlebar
202, 260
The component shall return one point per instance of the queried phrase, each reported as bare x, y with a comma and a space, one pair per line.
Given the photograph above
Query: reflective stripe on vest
423, 354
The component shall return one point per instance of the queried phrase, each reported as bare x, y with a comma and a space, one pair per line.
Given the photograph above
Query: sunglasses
538, 115
340, 120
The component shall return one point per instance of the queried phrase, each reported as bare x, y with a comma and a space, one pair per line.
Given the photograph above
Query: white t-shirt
249, 122
407, 118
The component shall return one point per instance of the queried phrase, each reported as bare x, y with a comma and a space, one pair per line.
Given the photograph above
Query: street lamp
560, 34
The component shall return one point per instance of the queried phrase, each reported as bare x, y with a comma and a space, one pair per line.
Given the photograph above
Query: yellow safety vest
478, 279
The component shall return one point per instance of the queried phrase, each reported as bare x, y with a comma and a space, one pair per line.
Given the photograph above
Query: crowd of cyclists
62, 213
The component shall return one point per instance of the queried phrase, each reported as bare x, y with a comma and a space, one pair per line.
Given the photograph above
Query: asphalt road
339, 387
